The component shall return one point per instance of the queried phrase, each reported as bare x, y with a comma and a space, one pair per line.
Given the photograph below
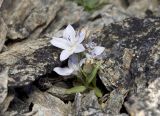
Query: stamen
69, 38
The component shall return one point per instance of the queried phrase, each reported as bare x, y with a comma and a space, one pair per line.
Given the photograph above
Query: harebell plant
83, 61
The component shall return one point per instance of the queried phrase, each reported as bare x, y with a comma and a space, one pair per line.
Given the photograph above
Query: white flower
94, 50
70, 43
73, 66
98, 50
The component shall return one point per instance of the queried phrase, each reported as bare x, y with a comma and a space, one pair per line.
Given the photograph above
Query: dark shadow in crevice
101, 86
31, 107
96, 17
9, 41
127, 3
123, 110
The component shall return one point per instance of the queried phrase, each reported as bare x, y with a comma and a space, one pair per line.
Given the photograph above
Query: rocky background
130, 78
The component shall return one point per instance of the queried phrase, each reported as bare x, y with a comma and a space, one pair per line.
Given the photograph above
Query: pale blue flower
74, 65
70, 43
94, 50
98, 50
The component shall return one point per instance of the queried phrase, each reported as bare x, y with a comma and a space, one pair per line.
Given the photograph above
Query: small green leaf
83, 73
76, 89
93, 73
90, 4
94, 82
98, 92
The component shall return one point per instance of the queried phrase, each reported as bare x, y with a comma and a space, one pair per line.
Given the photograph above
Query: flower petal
60, 43
82, 61
63, 71
88, 56
79, 48
81, 37
69, 33
65, 54
97, 50
73, 62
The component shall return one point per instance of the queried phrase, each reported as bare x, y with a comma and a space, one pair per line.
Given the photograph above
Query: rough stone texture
86, 104
128, 48
4, 106
139, 7
49, 104
145, 103
70, 13
108, 14
132, 54
131, 58
60, 93
24, 64
24, 17
115, 101
3, 33
36, 103
29, 68
3, 84
1, 1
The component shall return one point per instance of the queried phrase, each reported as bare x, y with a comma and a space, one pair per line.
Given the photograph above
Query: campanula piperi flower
70, 43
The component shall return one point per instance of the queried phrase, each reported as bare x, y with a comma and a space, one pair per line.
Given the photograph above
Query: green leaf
94, 82
76, 89
93, 73
98, 92
83, 73
90, 4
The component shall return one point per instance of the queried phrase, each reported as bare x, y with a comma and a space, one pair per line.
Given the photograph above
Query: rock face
133, 54
145, 103
24, 17
20, 65
86, 105
49, 105
114, 103
3, 33
129, 75
132, 49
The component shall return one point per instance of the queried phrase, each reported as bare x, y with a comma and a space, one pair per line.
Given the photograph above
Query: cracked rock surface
129, 76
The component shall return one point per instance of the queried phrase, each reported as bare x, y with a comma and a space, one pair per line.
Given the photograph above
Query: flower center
72, 47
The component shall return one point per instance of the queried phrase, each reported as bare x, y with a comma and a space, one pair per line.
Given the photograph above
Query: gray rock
139, 7
109, 14
131, 57
45, 103
24, 17
129, 53
39, 63
22, 65
113, 71
5, 105
1, 1
3, 33
3, 84
86, 104
145, 103
114, 102
60, 93
70, 13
